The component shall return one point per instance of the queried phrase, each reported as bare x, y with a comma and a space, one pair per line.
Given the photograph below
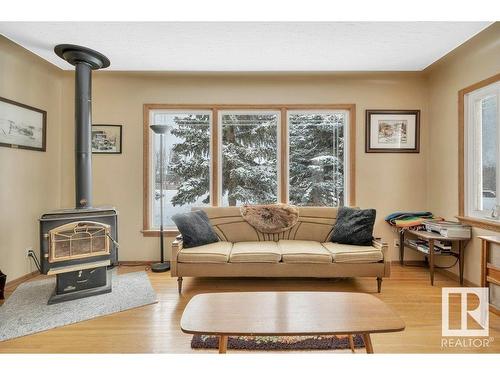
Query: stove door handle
113, 240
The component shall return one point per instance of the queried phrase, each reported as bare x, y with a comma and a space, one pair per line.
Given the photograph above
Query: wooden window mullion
284, 157
216, 159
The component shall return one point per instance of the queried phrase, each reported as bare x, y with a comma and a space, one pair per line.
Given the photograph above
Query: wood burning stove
78, 245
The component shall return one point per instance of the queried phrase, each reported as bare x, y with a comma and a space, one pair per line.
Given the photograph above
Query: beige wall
387, 182
472, 62
30, 180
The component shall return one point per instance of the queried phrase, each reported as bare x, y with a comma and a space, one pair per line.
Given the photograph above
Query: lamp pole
162, 266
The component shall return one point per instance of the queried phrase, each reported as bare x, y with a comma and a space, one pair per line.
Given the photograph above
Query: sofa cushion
343, 253
195, 228
296, 251
354, 226
255, 252
217, 252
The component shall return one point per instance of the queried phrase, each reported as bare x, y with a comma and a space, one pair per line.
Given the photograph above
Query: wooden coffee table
288, 314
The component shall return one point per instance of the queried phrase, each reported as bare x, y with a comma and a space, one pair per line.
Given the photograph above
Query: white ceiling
259, 46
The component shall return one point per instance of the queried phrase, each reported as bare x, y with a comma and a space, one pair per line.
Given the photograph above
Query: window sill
493, 225
156, 232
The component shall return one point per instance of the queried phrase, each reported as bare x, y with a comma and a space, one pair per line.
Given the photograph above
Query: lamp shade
159, 129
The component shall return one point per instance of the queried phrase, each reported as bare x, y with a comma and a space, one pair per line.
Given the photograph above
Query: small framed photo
22, 126
106, 139
392, 131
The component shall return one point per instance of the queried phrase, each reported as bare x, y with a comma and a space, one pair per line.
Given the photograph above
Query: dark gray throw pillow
354, 226
195, 228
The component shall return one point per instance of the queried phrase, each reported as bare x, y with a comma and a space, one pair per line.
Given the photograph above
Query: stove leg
3, 280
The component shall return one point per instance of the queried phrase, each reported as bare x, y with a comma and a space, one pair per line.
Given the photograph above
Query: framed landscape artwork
106, 139
392, 131
22, 126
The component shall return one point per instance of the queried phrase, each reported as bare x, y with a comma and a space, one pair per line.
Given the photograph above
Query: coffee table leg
368, 343
351, 343
222, 344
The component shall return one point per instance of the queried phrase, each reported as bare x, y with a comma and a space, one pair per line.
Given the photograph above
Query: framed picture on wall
106, 139
22, 126
392, 131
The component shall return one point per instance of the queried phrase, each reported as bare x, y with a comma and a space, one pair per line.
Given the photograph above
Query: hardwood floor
155, 328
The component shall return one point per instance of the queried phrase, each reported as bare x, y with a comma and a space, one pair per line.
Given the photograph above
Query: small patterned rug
278, 342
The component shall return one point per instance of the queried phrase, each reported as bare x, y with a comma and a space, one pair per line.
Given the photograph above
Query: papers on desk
440, 247
450, 229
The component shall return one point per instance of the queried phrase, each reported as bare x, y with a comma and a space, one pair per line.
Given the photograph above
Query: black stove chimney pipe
85, 60
83, 135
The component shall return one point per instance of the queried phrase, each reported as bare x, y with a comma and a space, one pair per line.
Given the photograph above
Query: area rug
26, 311
278, 342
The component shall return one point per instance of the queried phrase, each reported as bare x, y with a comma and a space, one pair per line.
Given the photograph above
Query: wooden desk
288, 314
431, 237
490, 273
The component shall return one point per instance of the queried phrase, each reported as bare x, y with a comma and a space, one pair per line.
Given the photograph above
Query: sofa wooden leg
379, 284
179, 284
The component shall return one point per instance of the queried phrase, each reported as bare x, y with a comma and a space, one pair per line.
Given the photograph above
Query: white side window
482, 157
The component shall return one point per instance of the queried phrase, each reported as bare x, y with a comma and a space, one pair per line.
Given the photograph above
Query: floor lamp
162, 266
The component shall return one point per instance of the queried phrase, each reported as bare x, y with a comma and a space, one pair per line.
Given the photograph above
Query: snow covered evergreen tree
316, 167
249, 159
190, 159
249, 156
249, 153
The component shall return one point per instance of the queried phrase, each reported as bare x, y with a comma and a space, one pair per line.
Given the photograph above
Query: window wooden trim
479, 223
476, 222
215, 108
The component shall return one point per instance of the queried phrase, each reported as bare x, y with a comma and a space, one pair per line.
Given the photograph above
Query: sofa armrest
176, 248
380, 244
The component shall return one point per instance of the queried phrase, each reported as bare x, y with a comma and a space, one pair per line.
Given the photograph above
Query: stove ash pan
78, 239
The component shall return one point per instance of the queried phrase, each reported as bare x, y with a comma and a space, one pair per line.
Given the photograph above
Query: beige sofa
302, 251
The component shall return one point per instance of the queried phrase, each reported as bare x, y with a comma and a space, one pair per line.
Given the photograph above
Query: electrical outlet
396, 242
27, 251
